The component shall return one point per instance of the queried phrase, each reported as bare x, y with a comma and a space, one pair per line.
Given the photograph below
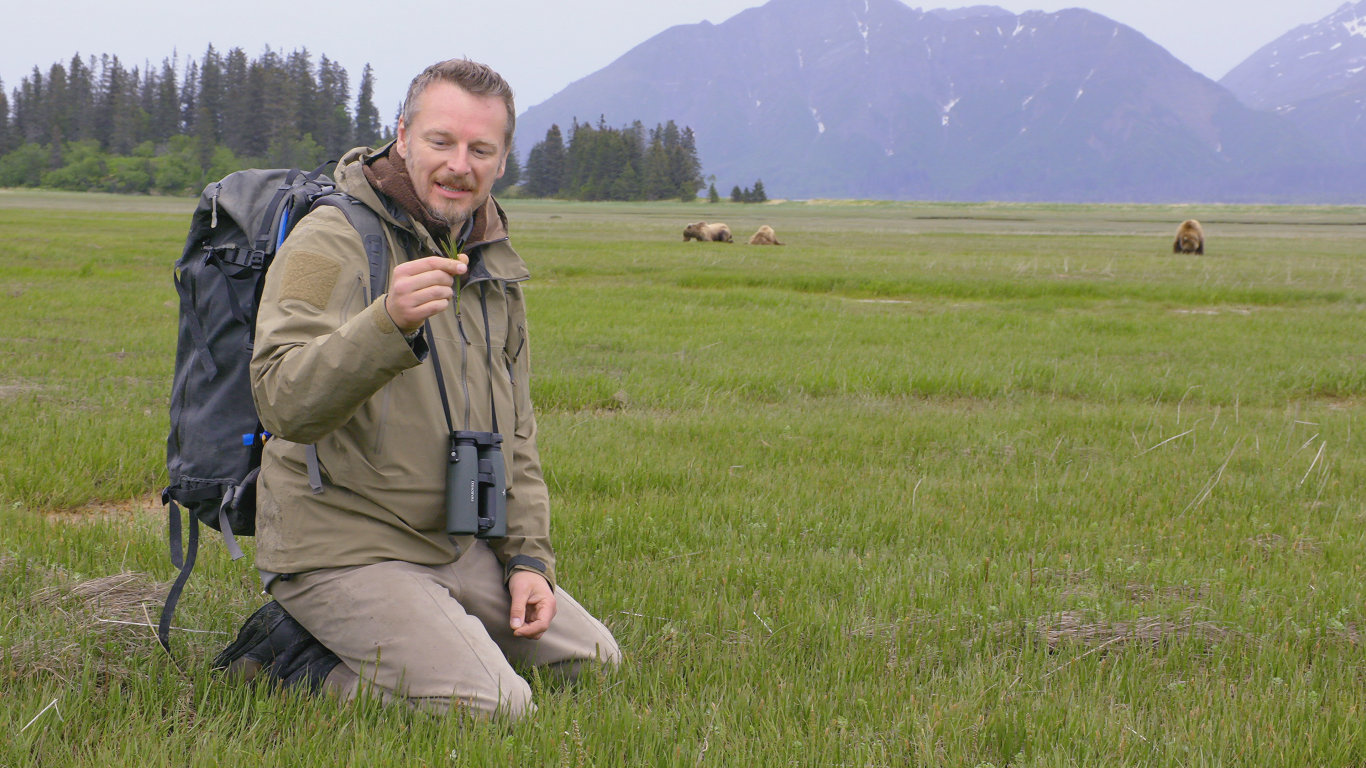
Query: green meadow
928, 485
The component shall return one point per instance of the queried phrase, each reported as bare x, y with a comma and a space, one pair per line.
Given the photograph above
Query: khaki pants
438, 635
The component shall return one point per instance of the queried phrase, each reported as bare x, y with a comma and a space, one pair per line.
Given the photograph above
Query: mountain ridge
1315, 76
872, 98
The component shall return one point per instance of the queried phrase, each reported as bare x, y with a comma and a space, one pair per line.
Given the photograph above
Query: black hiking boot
303, 666
268, 633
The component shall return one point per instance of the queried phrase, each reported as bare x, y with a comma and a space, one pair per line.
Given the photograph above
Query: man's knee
511, 703
516, 703
610, 656
506, 698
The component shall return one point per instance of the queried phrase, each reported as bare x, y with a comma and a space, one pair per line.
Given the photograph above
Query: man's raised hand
422, 288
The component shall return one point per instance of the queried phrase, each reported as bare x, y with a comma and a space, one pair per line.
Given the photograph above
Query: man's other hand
533, 604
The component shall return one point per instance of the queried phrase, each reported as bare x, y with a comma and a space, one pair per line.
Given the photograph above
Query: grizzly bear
1190, 238
704, 232
764, 236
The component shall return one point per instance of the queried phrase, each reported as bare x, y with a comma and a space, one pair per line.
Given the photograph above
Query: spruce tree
123, 104
30, 109
367, 117
189, 99
655, 180
7, 143
23, 98
292, 98
512, 172
686, 168
56, 110
166, 107
212, 95
545, 165
336, 131
237, 130
81, 94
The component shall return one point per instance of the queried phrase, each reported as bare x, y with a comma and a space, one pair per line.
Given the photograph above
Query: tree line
96, 124
604, 163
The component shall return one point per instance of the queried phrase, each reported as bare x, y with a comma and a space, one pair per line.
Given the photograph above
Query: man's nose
458, 161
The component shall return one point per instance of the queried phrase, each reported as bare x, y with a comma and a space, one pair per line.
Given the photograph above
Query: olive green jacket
330, 368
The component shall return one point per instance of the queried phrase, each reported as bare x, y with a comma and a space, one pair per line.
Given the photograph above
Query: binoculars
476, 486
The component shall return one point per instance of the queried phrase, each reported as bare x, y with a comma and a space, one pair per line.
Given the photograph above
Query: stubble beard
454, 216
453, 220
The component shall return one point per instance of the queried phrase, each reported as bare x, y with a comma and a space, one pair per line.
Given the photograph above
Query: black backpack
213, 452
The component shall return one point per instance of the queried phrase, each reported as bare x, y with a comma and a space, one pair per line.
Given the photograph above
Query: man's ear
401, 145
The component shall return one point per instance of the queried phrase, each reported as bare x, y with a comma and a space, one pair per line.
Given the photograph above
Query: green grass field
931, 484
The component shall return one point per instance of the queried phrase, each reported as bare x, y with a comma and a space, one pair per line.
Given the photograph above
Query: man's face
453, 149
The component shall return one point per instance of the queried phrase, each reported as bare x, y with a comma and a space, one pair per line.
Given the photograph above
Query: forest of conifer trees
95, 124
602, 163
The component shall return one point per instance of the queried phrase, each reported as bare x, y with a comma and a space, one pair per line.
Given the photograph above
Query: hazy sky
540, 46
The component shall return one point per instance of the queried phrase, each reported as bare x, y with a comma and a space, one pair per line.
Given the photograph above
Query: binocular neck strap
441, 379
488, 350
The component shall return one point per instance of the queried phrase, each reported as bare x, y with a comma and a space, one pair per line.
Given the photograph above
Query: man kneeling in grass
374, 587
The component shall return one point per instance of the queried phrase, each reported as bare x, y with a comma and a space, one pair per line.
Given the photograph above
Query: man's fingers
430, 269
456, 266
517, 616
533, 625
540, 610
422, 288
429, 282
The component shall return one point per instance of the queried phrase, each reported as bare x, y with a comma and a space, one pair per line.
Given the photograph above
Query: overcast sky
540, 46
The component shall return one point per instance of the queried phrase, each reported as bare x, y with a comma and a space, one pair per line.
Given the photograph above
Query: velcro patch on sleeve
309, 277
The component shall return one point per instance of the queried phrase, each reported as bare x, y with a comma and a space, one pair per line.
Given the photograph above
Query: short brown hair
472, 77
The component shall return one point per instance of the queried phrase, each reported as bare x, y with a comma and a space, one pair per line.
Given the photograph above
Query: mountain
1315, 75
870, 99
873, 99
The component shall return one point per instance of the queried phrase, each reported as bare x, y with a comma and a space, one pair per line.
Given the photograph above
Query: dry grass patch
15, 390
1269, 543
1214, 311
1142, 593
1072, 628
69, 624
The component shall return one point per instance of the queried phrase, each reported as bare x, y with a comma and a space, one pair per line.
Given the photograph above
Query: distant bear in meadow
704, 232
1190, 238
764, 236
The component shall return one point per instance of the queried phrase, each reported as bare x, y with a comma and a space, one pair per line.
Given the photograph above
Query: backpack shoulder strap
367, 223
371, 229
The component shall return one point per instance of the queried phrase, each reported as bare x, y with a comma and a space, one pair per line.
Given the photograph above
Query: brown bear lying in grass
704, 232
764, 236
